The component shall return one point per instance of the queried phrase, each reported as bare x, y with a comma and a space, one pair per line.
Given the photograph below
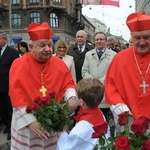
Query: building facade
142, 5
63, 16
99, 25
89, 28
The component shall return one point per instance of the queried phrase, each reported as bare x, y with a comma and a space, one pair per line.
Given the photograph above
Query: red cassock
25, 79
123, 81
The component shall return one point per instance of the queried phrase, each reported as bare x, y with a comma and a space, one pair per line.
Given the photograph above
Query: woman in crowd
22, 48
61, 49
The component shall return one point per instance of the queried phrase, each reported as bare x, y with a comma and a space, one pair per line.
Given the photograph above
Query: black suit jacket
9, 55
116, 50
78, 58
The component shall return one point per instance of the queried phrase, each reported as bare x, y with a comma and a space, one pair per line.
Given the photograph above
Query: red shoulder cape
25, 79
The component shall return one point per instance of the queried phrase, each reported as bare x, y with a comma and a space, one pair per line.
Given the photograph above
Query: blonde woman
61, 48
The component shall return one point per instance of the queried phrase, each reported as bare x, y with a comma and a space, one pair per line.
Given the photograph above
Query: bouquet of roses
53, 116
134, 137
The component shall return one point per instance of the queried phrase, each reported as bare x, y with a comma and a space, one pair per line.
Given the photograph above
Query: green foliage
134, 137
53, 117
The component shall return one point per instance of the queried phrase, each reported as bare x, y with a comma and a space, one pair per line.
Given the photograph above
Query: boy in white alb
90, 93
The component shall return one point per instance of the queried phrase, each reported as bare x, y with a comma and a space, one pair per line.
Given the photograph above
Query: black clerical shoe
5, 130
9, 136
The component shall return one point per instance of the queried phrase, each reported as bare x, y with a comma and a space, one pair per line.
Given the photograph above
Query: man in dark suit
7, 56
111, 44
78, 51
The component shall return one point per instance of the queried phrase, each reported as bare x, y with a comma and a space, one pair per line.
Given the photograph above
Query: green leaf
110, 145
102, 141
96, 147
48, 121
103, 148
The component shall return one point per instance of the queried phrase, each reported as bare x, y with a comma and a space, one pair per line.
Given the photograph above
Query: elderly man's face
111, 44
81, 38
2, 41
141, 41
41, 49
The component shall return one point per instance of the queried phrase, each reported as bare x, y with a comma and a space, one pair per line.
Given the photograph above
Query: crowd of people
99, 81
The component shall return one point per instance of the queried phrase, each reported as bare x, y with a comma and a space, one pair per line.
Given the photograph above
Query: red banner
110, 2
101, 2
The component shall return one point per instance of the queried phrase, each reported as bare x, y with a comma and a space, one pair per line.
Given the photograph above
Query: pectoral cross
144, 86
43, 90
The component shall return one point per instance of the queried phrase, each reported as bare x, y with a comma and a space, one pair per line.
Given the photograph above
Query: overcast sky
112, 16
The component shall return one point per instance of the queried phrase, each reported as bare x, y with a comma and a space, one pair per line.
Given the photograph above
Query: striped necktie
80, 49
100, 53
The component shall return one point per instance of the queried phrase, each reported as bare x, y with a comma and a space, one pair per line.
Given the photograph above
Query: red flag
101, 2
110, 2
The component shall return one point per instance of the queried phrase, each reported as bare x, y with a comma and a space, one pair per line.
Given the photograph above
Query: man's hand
38, 130
73, 104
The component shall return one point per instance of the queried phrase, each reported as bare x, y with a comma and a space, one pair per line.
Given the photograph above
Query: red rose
122, 143
52, 95
28, 109
35, 106
38, 100
45, 101
146, 121
146, 145
100, 130
123, 118
140, 125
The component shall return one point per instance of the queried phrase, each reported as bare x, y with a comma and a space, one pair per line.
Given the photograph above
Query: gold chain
41, 72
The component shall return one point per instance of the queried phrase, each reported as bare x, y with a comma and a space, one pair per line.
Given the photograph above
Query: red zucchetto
138, 22
39, 31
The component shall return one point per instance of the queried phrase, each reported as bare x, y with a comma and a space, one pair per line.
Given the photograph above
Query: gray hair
83, 32
111, 38
4, 35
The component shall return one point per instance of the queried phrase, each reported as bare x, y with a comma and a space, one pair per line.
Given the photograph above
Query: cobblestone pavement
4, 144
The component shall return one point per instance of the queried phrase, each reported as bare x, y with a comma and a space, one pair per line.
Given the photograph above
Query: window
53, 20
14, 2
57, 1
34, 1
16, 20
35, 17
